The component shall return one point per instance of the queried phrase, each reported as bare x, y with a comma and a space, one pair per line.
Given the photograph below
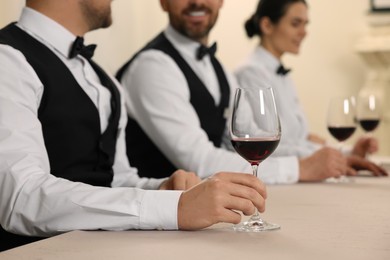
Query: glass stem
341, 145
256, 215
342, 178
369, 135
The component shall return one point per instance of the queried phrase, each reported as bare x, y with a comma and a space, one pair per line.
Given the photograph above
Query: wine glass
255, 133
368, 112
341, 123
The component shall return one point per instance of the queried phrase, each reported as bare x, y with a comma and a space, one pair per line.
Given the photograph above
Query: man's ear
163, 4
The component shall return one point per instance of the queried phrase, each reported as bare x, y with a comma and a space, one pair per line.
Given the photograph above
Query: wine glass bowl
369, 125
255, 150
368, 112
341, 119
341, 133
255, 133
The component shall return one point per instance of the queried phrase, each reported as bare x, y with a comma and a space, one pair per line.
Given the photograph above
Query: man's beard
96, 18
191, 32
194, 34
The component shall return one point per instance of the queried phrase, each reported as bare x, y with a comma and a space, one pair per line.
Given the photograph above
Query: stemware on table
255, 133
341, 123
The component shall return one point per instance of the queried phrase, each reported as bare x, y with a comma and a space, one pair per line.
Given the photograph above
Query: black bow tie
78, 47
203, 51
282, 70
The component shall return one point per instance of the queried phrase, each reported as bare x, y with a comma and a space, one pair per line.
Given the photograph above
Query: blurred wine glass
368, 112
341, 123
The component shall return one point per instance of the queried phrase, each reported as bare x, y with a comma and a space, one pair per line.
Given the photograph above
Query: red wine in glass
255, 150
369, 125
368, 112
341, 133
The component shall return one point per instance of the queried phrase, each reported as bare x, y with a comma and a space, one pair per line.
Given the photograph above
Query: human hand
316, 139
364, 146
359, 163
217, 198
180, 180
325, 163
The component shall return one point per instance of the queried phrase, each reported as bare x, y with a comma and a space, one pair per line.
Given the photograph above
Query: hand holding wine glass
255, 134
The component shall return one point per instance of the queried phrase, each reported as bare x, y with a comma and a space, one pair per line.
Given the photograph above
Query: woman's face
288, 33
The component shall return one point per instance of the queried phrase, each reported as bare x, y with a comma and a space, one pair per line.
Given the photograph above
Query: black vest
70, 121
141, 151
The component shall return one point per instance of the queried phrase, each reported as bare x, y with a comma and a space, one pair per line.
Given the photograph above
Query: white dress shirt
260, 67
158, 97
34, 202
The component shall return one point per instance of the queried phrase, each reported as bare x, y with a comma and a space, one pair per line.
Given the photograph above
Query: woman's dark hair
273, 9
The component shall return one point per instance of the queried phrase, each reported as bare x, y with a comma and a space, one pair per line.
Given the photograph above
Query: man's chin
197, 34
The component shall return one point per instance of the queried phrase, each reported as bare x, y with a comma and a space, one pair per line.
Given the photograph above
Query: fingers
359, 163
164, 185
373, 146
372, 168
184, 180
376, 169
336, 164
245, 199
351, 171
243, 205
243, 179
383, 171
336, 169
365, 145
180, 180
245, 192
192, 180
230, 216
217, 198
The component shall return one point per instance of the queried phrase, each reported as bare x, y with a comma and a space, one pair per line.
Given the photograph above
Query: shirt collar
268, 59
46, 30
182, 43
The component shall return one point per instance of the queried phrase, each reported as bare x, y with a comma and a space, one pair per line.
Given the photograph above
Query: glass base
258, 225
341, 179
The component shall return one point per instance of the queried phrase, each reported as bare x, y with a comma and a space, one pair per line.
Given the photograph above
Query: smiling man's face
192, 18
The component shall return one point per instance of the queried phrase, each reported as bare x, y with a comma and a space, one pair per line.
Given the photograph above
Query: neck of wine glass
340, 146
255, 166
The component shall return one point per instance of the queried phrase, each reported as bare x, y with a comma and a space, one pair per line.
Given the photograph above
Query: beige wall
327, 66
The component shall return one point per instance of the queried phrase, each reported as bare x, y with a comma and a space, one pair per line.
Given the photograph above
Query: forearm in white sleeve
34, 202
38, 204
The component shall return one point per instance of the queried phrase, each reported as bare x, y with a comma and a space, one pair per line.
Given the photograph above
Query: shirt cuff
289, 170
159, 210
279, 170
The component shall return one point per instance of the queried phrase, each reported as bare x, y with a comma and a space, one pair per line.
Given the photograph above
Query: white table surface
319, 221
